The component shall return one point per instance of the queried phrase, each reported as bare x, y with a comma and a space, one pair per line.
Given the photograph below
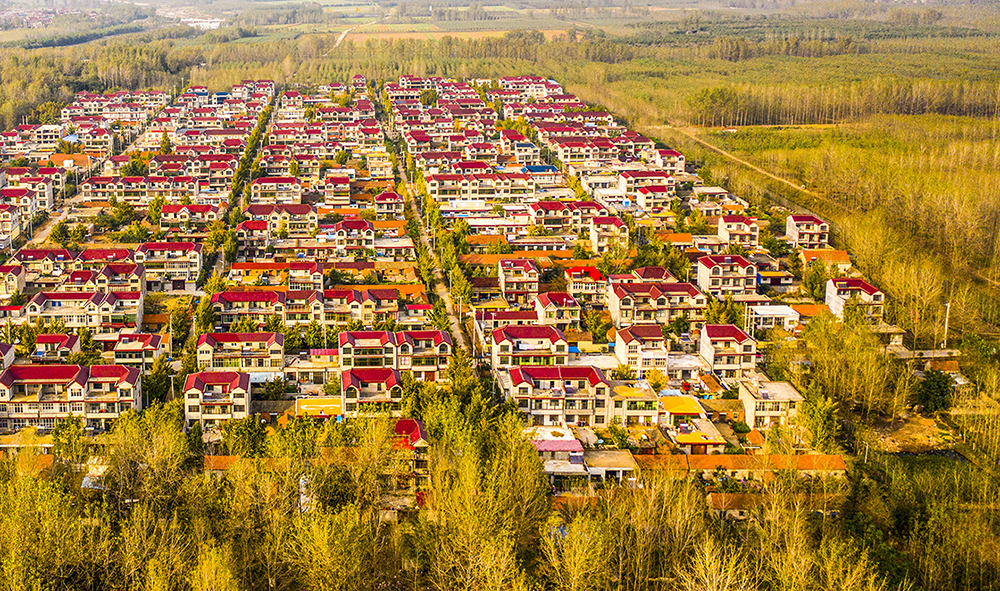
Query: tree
297, 440
244, 437
165, 146
230, 248
597, 326
68, 439
935, 391
293, 167
205, 316
79, 233
623, 373
273, 389
156, 381
156, 209
59, 233
282, 230
814, 281
679, 325
214, 285
314, 335
657, 380
428, 97
580, 252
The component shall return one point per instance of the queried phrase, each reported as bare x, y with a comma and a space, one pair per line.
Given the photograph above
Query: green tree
623, 372
245, 437
68, 439
156, 209
293, 167
297, 440
165, 146
934, 392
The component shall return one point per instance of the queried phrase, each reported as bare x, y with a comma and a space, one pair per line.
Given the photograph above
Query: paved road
441, 287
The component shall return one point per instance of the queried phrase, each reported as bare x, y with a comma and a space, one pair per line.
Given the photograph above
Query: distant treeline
794, 105
292, 14
75, 38
735, 49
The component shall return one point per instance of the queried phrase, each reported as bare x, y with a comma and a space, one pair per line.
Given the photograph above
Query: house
558, 395
739, 230
10, 225
561, 454
285, 220
721, 275
838, 261
276, 189
12, 280
606, 232
654, 303
38, 396
768, 403
586, 285
633, 405
528, 345
99, 312
261, 354
729, 352
373, 387
698, 436
642, 347
518, 280
807, 232
54, 348
353, 236
170, 265
411, 440
213, 397
677, 409
389, 204
655, 198
558, 309
139, 349
842, 293
192, 218
424, 353
768, 317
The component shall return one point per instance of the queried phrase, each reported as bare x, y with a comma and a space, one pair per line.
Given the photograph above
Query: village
274, 255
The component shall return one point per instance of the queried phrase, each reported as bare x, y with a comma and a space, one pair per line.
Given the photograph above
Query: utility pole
947, 318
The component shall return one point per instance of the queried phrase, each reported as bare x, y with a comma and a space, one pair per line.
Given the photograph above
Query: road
441, 285
349, 31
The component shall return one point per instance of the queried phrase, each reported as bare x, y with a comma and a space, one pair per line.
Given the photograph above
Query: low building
642, 348
424, 353
372, 387
558, 309
739, 230
260, 354
139, 350
730, 352
843, 293
768, 317
722, 275
558, 395
655, 303
38, 396
769, 403
807, 232
54, 348
518, 280
213, 397
587, 285
528, 345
